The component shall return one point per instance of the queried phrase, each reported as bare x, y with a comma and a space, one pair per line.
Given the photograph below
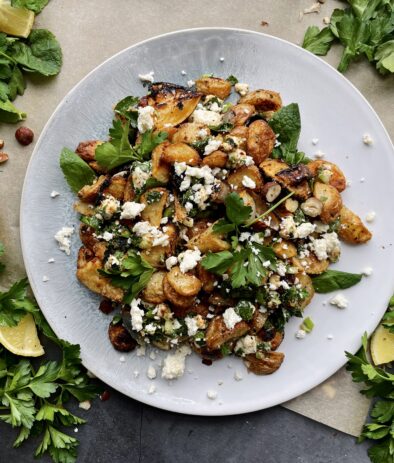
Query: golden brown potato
87, 273
270, 220
263, 100
190, 132
311, 264
306, 283
181, 214
329, 173
182, 302
258, 321
129, 193
248, 200
157, 255
84, 208
331, 199
217, 332
87, 236
180, 152
215, 159
86, 149
274, 168
207, 279
184, 284
240, 132
284, 249
155, 201
160, 170
120, 338
208, 241
199, 226
236, 178
351, 229
260, 141
276, 341
173, 103
221, 191
239, 114
267, 364
97, 167
153, 292
214, 86
116, 187
89, 193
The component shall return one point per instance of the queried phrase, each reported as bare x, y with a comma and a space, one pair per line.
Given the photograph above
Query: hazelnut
271, 191
312, 207
1, 143
3, 157
291, 205
24, 135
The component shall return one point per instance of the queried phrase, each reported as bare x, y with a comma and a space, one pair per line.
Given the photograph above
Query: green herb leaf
236, 210
384, 56
245, 310
9, 113
222, 226
222, 128
14, 304
332, 280
232, 79
318, 42
388, 320
149, 142
286, 123
34, 5
41, 53
218, 262
290, 157
128, 108
76, 171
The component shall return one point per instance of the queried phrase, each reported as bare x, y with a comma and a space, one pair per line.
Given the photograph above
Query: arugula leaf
286, 123
34, 5
332, 280
236, 211
41, 53
76, 171
318, 42
232, 79
9, 113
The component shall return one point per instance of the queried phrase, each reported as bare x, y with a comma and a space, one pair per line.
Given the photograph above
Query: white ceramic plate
332, 110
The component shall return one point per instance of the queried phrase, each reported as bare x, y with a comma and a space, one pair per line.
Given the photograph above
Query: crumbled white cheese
171, 261
109, 207
152, 355
319, 154
63, 238
148, 77
247, 182
303, 230
367, 271
51, 260
206, 117
367, 139
54, 194
191, 324
231, 318
202, 133
189, 259
330, 337
248, 344
362, 179
136, 316
190, 83
238, 158
211, 394
287, 226
45, 279
238, 376
85, 405
151, 234
212, 146
141, 351
136, 373
183, 72
107, 236
221, 59
326, 20
340, 301
321, 227
174, 364
130, 210
242, 89
122, 359
326, 246
315, 141
112, 260
145, 119
151, 372
370, 217
150, 328
139, 177
300, 334
152, 389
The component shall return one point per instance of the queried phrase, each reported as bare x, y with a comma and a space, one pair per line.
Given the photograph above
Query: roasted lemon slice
22, 339
382, 346
15, 21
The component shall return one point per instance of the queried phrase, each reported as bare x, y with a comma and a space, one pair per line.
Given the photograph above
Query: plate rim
149, 399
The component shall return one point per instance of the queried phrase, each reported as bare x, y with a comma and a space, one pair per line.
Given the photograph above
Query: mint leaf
76, 171
236, 210
318, 42
364, 9
34, 5
332, 280
232, 79
286, 123
9, 113
384, 56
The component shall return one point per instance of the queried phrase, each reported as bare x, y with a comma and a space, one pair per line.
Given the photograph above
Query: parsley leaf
77, 172
318, 42
34, 5
388, 320
332, 280
217, 262
232, 79
14, 304
127, 108
236, 210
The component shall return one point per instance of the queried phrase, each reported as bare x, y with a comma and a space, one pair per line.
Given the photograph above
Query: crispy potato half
266, 365
331, 200
351, 229
214, 86
328, 172
184, 284
263, 100
260, 141
154, 292
218, 333
155, 201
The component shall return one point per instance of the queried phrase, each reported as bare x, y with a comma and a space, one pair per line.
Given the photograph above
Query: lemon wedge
382, 346
15, 21
22, 339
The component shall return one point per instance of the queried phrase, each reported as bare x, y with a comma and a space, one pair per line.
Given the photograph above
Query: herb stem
272, 208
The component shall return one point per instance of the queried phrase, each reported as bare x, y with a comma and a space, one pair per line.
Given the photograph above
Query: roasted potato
263, 100
260, 141
236, 178
328, 172
87, 273
190, 132
284, 249
173, 104
215, 159
129, 193
306, 283
116, 187
207, 279
213, 86
276, 341
120, 338
184, 284
84, 208
267, 364
153, 291
221, 191
181, 214
351, 228
180, 152
89, 193
160, 170
331, 199
86, 149
311, 264
241, 132
258, 321
239, 114
217, 333
271, 220
176, 299
208, 241
157, 255
155, 201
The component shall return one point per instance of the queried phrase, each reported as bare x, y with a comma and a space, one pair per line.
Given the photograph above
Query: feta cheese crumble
189, 259
191, 324
190, 83
315, 141
151, 373
367, 139
151, 234
136, 316
45, 279
109, 207
174, 364
63, 238
238, 376
145, 119
319, 154
130, 210
51, 260
231, 318
148, 77
247, 182
107, 236
152, 389
54, 194
85, 405
203, 116
211, 394
248, 344
370, 217
171, 261
300, 334
242, 89
340, 301
212, 146
367, 271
